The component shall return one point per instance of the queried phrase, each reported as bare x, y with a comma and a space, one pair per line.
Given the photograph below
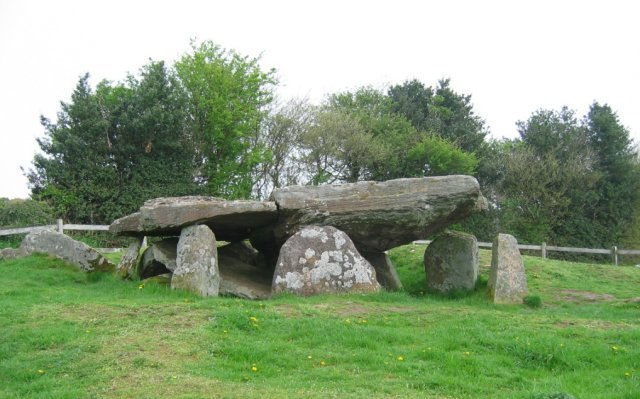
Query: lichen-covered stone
127, 267
230, 220
319, 260
451, 263
378, 216
197, 262
507, 279
64, 247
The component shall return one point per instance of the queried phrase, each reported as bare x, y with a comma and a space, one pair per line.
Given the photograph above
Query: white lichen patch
292, 280
339, 238
314, 232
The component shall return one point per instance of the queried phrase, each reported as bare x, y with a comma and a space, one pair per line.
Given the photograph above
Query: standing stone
319, 260
127, 266
64, 247
451, 263
386, 273
197, 262
507, 281
159, 258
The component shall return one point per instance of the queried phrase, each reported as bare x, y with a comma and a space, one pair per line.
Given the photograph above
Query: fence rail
59, 227
544, 248
614, 252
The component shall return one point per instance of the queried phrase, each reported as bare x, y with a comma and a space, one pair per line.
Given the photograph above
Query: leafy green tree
227, 96
112, 149
441, 111
75, 172
619, 189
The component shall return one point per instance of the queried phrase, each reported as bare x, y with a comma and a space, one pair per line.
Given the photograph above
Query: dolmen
305, 239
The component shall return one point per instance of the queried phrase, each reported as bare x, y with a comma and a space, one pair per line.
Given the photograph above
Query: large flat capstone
230, 220
377, 216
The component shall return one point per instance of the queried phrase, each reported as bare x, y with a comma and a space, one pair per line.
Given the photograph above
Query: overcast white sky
513, 57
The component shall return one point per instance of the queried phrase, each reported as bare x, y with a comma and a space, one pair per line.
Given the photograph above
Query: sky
512, 57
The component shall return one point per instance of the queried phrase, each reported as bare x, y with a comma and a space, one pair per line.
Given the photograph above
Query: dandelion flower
614, 348
254, 368
309, 357
141, 286
322, 363
400, 358
253, 319
40, 371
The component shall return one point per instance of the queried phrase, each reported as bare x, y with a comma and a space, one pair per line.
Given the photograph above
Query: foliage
73, 336
441, 111
281, 136
24, 213
168, 132
227, 94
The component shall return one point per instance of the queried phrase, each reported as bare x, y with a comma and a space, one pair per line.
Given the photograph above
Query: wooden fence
614, 252
61, 227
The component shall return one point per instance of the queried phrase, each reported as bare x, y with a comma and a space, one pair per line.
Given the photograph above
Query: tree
440, 111
112, 149
281, 135
619, 190
227, 95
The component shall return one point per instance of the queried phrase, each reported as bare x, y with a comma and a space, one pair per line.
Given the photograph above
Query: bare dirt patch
584, 296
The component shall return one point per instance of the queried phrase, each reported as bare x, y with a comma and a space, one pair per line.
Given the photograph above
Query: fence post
614, 254
543, 248
60, 227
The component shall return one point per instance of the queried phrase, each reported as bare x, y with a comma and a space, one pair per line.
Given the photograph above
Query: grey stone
318, 260
243, 252
159, 258
12, 253
451, 263
197, 262
507, 279
231, 220
243, 280
386, 273
64, 247
127, 267
377, 216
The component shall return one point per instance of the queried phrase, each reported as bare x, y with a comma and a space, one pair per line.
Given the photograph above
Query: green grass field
65, 334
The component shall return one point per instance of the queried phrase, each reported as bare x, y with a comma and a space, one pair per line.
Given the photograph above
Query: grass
66, 334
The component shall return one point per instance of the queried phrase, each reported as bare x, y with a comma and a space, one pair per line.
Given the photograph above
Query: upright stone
159, 258
64, 247
197, 266
127, 267
319, 260
386, 273
451, 263
507, 281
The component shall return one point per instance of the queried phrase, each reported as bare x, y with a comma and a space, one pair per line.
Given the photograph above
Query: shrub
532, 301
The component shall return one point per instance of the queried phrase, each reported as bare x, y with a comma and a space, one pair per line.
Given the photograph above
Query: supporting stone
197, 262
386, 273
451, 263
507, 280
127, 267
320, 260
